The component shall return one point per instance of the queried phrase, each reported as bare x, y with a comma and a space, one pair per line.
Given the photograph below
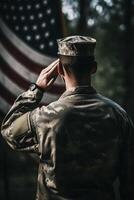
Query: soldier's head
76, 55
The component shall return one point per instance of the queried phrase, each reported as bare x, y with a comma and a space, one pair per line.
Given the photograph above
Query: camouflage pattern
84, 141
76, 46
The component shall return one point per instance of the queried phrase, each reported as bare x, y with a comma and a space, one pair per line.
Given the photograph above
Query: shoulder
61, 106
110, 103
118, 110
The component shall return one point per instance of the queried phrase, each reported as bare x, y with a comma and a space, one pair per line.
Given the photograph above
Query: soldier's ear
94, 68
60, 69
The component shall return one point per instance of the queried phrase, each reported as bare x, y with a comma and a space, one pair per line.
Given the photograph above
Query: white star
34, 27
45, 2
51, 43
52, 21
43, 25
47, 34
37, 37
48, 11
31, 17
40, 15
28, 37
37, 6
21, 8
28, 7
25, 28
22, 18
42, 46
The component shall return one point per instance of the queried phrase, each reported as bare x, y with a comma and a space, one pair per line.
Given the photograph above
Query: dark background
111, 22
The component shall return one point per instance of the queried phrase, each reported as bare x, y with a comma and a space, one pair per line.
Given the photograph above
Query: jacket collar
85, 89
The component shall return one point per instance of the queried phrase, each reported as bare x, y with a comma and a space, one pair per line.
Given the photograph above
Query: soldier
84, 140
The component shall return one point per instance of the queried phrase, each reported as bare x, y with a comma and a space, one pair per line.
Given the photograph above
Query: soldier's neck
75, 83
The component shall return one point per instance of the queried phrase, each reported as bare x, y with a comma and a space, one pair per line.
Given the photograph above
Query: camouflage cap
76, 46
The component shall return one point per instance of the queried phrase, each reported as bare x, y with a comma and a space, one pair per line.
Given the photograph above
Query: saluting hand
48, 75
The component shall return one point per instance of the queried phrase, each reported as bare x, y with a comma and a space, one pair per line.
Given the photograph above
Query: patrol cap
76, 46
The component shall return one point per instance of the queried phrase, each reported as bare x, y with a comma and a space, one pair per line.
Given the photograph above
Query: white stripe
17, 66
10, 85
4, 106
20, 69
24, 48
15, 90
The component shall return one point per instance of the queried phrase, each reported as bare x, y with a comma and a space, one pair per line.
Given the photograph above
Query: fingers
53, 71
51, 66
51, 80
48, 75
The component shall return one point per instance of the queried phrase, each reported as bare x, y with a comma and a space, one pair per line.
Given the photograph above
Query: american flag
28, 33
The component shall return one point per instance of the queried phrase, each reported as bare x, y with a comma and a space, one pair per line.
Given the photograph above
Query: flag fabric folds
28, 33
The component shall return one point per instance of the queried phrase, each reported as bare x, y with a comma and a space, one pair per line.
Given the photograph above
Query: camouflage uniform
83, 140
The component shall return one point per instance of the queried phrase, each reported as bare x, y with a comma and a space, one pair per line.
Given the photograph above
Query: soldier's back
88, 134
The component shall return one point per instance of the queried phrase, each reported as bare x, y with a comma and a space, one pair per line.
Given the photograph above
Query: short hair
79, 65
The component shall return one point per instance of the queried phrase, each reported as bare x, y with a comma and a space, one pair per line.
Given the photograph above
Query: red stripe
23, 83
14, 76
7, 95
18, 55
32, 66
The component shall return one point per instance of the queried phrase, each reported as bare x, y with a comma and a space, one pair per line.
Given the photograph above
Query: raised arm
17, 127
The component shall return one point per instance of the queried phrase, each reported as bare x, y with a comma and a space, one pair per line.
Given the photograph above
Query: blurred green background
111, 22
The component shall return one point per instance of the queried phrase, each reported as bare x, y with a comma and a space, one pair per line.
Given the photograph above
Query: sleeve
17, 126
126, 170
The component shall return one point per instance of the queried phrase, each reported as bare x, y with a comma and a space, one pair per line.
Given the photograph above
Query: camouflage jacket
84, 141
